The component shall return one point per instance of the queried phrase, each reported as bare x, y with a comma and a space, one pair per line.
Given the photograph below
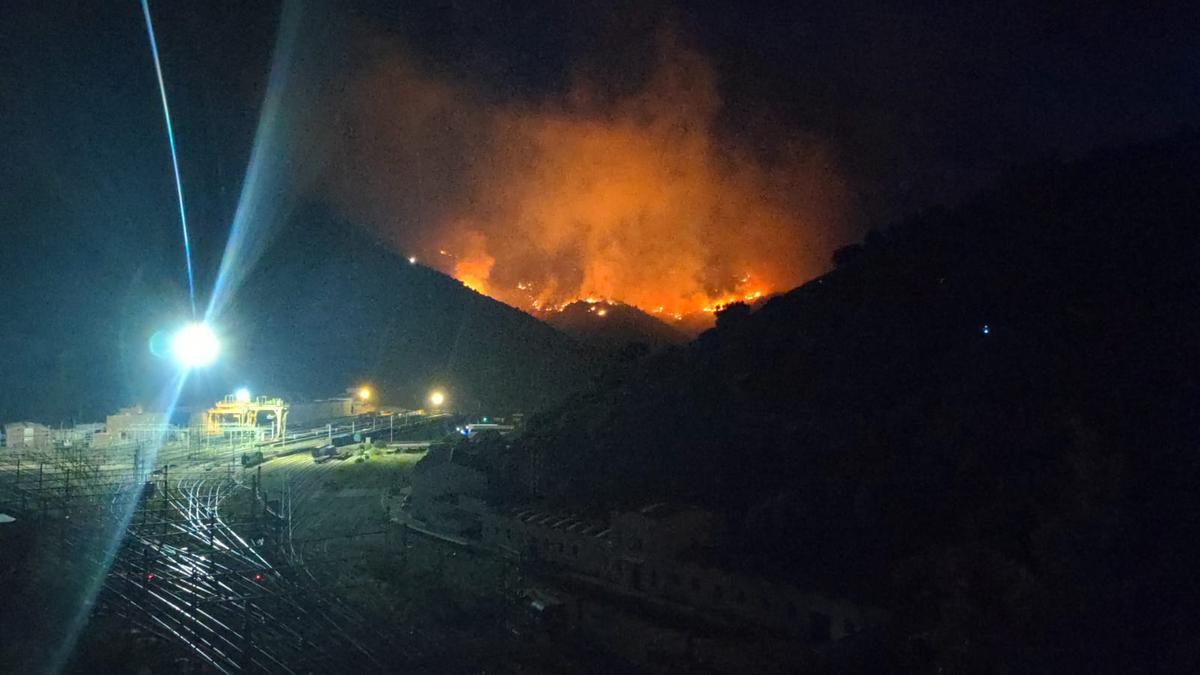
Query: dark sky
920, 103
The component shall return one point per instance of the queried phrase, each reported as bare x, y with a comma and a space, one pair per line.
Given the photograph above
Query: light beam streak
276, 170
111, 539
162, 88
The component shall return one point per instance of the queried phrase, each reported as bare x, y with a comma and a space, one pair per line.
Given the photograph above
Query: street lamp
242, 395
364, 393
195, 346
437, 398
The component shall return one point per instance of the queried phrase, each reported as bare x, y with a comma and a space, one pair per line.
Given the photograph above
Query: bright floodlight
242, 395
195, 346
437, 398
364, 393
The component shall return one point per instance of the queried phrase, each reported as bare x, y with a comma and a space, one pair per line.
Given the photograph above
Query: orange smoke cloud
474, 267
636, 199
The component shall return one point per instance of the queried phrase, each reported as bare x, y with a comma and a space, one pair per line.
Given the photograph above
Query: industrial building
320, 411
27, 436
659, 553
79, 435
133, 425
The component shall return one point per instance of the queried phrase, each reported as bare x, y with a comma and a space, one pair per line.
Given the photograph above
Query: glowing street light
364, 393
242, 395
195, 346
437, 398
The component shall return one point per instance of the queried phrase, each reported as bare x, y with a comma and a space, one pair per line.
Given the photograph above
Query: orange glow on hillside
634, 198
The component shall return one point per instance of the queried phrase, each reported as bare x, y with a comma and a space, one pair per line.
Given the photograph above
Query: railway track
230, 592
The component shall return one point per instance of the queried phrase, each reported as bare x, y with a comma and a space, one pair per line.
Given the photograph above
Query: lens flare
195, 346
162, 89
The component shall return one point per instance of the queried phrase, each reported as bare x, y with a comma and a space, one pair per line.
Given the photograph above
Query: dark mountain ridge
613, 325
982, 420
332, 307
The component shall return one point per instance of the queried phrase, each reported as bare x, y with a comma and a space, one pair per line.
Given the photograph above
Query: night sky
912, 104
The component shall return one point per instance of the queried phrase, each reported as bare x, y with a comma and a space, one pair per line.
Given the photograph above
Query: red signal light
258, 576
150, 576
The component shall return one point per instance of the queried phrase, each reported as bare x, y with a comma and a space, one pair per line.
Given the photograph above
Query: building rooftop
567, 522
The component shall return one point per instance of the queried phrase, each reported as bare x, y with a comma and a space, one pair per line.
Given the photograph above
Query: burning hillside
612, 325
634, 197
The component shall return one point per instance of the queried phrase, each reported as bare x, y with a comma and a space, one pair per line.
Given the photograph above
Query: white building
27, 436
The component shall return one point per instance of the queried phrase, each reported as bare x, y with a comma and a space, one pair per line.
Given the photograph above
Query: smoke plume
634, 197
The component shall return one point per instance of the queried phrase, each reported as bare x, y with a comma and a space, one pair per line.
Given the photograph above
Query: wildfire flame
633, 198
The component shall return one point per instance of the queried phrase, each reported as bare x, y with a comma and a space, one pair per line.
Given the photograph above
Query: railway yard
288, 565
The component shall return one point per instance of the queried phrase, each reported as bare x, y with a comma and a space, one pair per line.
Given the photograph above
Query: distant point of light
412, 260
242, 395
162, 89
437, 398
195, 346
986, 329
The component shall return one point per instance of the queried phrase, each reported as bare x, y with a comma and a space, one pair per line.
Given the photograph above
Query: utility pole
254, 502
392, 427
